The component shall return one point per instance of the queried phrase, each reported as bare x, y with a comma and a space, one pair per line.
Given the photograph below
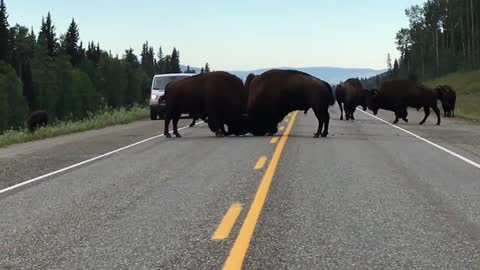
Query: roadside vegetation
467, 85
101, 119
441, 45
42, 69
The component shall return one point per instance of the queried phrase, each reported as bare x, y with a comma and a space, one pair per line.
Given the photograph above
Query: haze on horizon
234, 35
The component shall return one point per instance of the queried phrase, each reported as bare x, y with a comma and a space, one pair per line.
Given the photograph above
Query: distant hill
332, 75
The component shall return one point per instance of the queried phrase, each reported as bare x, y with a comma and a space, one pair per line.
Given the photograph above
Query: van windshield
160, 83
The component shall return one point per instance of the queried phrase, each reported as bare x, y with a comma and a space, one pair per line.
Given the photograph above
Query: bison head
372, 101
239, 127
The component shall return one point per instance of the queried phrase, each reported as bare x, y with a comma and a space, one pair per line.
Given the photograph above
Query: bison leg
437, 112
320, 119
215, 124
167, 124
224, 131
326, 122
193, 122
404, 115
175, 126
427, 113
396, 118
341, 110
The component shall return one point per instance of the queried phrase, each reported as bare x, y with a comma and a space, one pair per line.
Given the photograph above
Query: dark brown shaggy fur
275, 93
397, 95
219, 96
37, 119
448, 98
354, 96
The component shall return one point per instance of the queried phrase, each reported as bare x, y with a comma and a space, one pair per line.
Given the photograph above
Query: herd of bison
231, 107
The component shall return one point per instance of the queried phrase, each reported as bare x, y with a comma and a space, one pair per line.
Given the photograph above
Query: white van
159, 82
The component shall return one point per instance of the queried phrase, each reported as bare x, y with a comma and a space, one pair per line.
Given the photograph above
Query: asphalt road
370, 196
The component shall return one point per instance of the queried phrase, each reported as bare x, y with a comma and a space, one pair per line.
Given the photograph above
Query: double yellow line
242, 242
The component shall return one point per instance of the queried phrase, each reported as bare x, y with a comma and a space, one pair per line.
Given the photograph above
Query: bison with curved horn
218, 96
275, 93
398, 95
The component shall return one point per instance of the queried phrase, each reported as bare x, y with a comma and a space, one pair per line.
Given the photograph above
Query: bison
275, 93
340, 97
354, 95
448, 98
397, 95
349, 96
37, 119
218, 96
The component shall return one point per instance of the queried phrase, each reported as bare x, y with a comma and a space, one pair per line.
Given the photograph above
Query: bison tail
331, 100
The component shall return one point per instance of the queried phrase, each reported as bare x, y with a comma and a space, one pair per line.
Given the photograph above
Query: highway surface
370, 196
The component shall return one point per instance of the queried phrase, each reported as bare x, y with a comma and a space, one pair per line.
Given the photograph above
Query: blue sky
234, 35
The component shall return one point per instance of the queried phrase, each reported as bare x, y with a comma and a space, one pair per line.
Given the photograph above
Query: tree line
443, 36
60, 75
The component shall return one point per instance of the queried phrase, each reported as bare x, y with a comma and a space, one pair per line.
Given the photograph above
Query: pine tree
4, 33
175, 61
130, 59
47, 36
389, 61
93, 53
14, 108
148, 59
160, 62
27, 79
72, 37
207, 68
396, 67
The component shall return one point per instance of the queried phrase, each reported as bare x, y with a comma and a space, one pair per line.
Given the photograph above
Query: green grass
99, 120
467, 85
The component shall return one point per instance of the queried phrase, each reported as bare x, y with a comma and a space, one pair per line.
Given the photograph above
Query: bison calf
37, 119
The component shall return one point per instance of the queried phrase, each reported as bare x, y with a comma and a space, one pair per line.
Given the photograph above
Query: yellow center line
274, 140
242, 242
260, 163
227, 223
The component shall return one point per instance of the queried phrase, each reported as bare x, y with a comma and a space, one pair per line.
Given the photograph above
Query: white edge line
471, 162
38, 178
